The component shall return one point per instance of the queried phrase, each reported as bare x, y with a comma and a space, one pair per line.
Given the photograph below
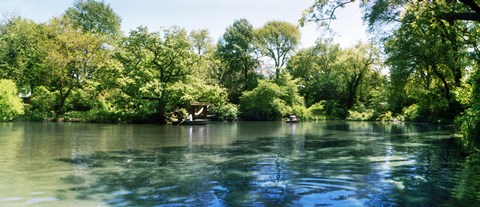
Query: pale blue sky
215, 15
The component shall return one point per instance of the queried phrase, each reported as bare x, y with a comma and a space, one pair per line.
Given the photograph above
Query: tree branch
450, 17
472, 4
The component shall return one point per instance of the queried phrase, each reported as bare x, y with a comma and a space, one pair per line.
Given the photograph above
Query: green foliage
469, 125
469, 121
11, 106
318, 72
42, 104
317, 111
153, 61
94, 16
202, 43
413, 113
193, 89
300, 111
263, 102
277, 40
427, 63
235, 51
273, 100
227, 111
366, 115
22, 52
181, 94
340, 77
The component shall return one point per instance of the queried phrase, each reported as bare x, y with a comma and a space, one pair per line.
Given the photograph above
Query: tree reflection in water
374, 167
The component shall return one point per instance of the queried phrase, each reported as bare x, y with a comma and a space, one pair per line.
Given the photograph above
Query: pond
329, 163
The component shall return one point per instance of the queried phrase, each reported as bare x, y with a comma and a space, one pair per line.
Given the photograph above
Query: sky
214, 15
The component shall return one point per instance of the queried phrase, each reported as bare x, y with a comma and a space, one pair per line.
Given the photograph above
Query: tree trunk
162, 104
63, 98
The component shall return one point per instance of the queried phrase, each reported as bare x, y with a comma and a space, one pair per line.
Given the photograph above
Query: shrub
317, 111
366, 115
469, 124
412, 113
11, 106
300, 112
42, 104
225, 112
263, 102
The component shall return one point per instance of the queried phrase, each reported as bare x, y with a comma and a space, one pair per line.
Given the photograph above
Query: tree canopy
278, 40
94, 16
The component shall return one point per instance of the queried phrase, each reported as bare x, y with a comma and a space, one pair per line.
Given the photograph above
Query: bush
301, 112
11, 106
263, 103
469, 121
469, 124
80, 100
42, 104
412, 113
367, 115
317, 111
227, 112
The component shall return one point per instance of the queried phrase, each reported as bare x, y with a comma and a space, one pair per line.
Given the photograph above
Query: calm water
235, 164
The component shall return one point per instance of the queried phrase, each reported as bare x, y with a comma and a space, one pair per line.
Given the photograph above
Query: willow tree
153, 61
277, 40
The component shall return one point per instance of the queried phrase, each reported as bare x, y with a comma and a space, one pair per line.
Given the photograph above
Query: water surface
235, 164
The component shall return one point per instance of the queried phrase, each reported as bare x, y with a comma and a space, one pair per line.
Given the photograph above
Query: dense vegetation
432, 53
79, 66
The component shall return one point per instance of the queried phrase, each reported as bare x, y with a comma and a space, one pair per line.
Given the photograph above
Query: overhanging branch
451, 17
472, 4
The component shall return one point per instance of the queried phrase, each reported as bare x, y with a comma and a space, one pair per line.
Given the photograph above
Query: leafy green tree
272, 100
94, 16
469, 121
154, 61
235, 51
339, 78
11, 106
278, 41
22, 56
427, 64
201, 41
357, 63
72, 59
316, 67
193, 89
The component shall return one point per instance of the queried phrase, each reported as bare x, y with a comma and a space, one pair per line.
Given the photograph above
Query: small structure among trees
199, 110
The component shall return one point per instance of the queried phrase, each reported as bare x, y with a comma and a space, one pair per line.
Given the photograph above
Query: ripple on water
332, 198
41, 200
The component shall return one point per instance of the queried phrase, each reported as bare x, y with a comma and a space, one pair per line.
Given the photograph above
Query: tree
94, 16
11, 105
277, 40
272, 100
337, 78
181, 94
154, 61
428, 61
72, 58
380, 12
21, 52
235, 50
201, 41
316, 67
357, 63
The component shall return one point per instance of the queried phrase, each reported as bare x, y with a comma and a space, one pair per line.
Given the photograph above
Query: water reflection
309, 164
